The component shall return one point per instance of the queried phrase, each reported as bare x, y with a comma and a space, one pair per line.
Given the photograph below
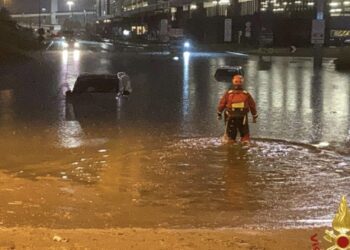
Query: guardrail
75, 13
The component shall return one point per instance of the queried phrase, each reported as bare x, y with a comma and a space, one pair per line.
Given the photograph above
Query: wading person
236, 104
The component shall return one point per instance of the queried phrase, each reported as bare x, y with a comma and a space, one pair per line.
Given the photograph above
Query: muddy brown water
158, 159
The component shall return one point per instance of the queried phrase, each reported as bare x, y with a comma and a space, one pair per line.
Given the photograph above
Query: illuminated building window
139, 30
334, 4
248, 7
214, 8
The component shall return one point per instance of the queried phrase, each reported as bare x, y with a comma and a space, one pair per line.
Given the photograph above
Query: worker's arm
221, 106
222, 103
252, 107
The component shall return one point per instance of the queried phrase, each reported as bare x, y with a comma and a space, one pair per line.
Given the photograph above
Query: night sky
31, 6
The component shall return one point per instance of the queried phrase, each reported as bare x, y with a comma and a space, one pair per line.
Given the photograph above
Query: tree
5, 15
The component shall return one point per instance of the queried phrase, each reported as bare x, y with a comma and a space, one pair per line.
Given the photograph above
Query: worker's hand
255, 117
219, 116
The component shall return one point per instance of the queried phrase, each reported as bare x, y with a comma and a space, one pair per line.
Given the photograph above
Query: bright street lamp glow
70, 4
335, 10
224, 2
333, 4
126, 32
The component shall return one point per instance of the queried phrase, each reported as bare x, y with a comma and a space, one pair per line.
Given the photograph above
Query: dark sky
32, 6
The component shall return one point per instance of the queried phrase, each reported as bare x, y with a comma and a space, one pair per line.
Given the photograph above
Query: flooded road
157, 159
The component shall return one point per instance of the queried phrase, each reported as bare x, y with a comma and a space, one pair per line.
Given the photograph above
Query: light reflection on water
160, 151
6, 101
70, 134
185, 95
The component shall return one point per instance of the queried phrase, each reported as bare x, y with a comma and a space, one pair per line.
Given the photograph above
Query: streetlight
70, 4
39, 17
216, 4
6, 3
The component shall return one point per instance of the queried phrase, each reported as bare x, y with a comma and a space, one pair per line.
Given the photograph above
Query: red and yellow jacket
237, 102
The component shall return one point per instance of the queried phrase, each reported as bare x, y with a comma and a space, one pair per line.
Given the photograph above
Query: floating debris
60, 239
16, 203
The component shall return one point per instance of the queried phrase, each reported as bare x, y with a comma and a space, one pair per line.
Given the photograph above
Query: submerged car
95, 95
101, 83
226, 73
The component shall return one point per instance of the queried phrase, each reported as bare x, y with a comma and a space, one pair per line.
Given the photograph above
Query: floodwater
157, 159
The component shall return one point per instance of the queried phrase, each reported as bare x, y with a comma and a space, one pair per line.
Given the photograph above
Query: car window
96, 85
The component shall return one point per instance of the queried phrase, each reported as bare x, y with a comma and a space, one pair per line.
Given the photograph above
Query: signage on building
317, 33
228, 30
340, 33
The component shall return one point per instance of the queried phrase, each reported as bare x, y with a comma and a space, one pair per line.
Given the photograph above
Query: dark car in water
94, 83
226, 73
101, 83
96, 94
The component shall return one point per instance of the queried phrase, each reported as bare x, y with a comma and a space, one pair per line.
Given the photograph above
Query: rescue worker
236, 104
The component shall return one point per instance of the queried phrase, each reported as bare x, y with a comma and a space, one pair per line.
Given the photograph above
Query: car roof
96, 83
225, 73
231, 67
97, 76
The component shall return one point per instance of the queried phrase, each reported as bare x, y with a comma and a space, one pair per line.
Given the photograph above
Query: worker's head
237, 80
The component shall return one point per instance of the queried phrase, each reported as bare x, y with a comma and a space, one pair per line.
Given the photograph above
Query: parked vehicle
226, 73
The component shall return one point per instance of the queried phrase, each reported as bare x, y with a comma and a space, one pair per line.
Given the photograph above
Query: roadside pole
39, 16
317, 33
292, 50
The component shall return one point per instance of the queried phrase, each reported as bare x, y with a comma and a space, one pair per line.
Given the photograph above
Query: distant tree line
13, 38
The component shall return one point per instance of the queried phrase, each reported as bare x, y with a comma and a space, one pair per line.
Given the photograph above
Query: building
105, 8
251, 19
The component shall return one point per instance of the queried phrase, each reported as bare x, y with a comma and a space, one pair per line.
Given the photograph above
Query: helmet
237, 80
